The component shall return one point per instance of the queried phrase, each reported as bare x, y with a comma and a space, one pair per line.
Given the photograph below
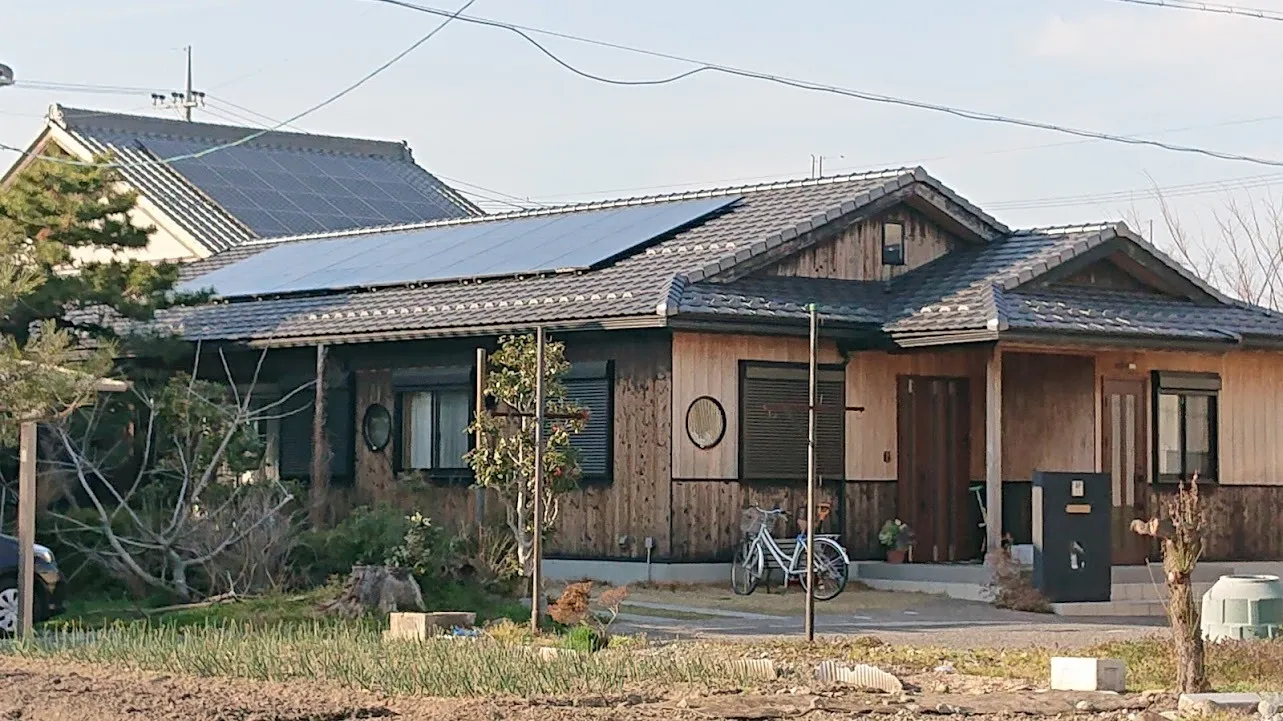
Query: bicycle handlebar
772, 512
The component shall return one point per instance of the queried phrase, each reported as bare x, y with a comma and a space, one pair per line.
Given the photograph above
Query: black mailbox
1072, 545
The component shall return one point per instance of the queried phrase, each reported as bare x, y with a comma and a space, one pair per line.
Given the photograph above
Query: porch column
993, 449
320, 445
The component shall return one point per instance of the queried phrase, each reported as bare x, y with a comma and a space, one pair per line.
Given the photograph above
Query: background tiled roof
280, 183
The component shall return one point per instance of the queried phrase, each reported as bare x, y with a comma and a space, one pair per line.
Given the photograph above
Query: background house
979, 353
275, 183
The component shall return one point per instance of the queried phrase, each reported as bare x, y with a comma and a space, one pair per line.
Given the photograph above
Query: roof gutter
1128, 342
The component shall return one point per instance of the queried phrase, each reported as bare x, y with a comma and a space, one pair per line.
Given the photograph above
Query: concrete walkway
937, 622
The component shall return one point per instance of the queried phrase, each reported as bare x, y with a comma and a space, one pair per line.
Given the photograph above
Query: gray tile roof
984, 287
280, 183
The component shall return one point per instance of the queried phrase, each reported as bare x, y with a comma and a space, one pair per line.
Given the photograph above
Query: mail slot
1071, 514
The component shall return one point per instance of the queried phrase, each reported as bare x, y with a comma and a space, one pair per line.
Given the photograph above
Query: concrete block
1209, 702
1088, 674
419, 626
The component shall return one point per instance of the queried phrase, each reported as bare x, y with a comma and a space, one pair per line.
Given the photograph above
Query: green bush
583, 638
368, 536
423, 550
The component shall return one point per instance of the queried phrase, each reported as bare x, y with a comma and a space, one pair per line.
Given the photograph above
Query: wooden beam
993, 449
479, 494
26, 527
320, 445
536, 542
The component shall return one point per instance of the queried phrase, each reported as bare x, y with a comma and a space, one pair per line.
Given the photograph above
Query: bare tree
199, 495
1242, 257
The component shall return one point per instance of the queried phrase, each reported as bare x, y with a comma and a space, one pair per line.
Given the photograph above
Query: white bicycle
749, 568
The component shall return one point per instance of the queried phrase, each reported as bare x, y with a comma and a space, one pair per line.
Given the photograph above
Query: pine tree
69, 226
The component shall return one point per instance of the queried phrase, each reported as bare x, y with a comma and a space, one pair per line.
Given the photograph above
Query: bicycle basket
751, 521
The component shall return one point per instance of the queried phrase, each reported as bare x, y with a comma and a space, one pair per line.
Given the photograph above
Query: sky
478, 105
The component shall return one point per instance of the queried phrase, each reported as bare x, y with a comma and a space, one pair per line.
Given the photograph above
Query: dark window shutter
340, 429
773, 440
296, 436
593, 443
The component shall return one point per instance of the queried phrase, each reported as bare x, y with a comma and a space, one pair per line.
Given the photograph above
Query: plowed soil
41, 690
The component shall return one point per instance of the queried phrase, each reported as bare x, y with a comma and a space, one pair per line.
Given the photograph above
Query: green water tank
1243, 607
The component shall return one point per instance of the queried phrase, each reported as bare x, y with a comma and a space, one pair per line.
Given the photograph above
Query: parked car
49, 585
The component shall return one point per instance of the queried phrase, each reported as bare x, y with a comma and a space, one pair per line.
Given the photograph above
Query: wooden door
1124, 454
933, 461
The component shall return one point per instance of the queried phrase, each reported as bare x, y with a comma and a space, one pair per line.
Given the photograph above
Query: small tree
504, 459
1180, 530
198, 497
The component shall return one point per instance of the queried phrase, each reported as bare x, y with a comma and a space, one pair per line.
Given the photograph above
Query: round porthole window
377, 427
705, 422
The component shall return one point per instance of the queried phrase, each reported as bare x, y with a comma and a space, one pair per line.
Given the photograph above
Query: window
294, 430
434, 428
590, 386
773, 421
892, 244
1185, 425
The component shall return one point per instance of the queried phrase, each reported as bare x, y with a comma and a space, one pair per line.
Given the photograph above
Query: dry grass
774, 601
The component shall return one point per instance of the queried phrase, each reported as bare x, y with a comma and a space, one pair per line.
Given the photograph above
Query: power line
207, 151
1168, 191
704, 66
1217, 8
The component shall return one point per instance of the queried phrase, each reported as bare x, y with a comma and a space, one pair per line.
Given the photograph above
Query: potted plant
898, 538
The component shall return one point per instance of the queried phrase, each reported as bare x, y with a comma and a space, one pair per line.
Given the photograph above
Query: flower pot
896, 555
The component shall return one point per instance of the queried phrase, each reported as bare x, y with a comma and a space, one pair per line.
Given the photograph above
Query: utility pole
186, 100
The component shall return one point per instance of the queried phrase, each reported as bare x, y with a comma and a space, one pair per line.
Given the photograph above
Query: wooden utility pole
320, 445
536, 544
810, 480
27, 450
993, 452
26, 527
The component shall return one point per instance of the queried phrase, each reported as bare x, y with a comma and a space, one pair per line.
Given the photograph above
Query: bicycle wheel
831, 569
746, 569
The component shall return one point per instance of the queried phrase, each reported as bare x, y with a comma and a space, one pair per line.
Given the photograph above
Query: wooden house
979, 354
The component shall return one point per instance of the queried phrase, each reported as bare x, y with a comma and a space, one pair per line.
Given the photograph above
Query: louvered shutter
296, 436
773, 439
340, 429
593, 443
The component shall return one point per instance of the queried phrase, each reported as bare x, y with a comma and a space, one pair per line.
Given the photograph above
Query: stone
1269, 707
762, 668
861, 675
1170, 715
1146, 716
420, 626
942, 688
1088, 674
1211, 702
1085, 706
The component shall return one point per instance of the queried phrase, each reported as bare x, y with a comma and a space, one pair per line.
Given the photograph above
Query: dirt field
37, 690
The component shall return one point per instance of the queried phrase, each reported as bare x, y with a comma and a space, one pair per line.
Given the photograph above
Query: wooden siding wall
871, 437
590, 523
708, 365
857, 253
1250, 436
1048, 414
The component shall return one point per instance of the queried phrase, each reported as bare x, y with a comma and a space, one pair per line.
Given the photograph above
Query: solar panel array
533, 244
279, 191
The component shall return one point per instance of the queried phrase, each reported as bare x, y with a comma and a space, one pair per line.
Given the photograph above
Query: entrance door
1124, 449
933, 461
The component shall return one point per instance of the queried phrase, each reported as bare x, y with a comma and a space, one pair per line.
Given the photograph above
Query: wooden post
320, 445
26, 527
993, 452
536, 544
479, 499
810, 482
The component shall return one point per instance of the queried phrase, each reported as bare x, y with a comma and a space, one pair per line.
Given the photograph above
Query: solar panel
535, 244
257, 185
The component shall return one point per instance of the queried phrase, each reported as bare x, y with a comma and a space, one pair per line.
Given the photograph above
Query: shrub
583, 638
574, 609
423, 549
368, 536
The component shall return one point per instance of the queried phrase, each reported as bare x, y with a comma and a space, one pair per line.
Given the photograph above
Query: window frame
399, 446
1183, 386
742, 425
597, 371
